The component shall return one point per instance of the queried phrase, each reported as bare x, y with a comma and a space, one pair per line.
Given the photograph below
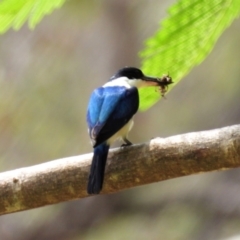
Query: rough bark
160, 159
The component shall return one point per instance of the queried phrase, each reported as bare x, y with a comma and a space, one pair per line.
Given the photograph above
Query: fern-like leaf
14, 13
187, 36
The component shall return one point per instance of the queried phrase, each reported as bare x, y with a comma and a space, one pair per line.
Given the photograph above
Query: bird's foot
127, 143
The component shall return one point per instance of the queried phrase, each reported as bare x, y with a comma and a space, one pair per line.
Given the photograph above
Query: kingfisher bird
110, 117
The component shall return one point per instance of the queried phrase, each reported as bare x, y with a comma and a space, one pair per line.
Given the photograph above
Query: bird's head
135, 77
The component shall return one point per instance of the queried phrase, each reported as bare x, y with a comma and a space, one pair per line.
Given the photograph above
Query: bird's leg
127, 142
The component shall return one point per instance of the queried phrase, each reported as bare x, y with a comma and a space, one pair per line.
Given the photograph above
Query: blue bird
109, 117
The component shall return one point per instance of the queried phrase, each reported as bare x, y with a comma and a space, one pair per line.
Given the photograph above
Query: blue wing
109, 109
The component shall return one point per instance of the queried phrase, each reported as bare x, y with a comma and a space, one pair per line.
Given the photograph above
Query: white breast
123, 132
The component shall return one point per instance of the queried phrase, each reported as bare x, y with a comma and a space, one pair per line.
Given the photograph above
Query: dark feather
108, 113
96, 176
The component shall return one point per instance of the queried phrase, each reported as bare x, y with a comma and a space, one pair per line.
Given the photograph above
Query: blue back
109, 109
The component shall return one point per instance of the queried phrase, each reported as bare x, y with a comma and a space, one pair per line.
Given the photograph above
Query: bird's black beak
153, 81
150, 79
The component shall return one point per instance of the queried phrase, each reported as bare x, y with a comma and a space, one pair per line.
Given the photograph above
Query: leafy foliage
187, 36
14, 13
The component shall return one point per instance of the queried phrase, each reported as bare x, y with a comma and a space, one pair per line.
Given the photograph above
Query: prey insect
163, 83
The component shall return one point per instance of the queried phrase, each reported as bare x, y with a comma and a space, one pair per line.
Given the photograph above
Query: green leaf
186, 38
43, 7
14, 13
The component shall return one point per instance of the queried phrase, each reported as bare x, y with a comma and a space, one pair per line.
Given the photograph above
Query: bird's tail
96, 176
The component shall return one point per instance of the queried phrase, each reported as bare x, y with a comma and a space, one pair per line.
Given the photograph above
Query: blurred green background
46, 78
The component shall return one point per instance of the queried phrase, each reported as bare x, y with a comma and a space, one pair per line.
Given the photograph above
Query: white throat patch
125, 82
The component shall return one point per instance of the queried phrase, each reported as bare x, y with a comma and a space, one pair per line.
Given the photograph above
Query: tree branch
160, 159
